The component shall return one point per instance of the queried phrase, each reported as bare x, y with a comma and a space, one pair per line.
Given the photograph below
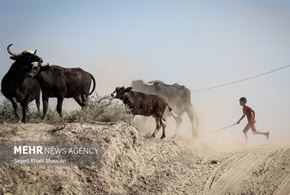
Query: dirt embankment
131, 164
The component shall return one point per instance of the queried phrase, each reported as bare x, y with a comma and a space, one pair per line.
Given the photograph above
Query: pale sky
194, 43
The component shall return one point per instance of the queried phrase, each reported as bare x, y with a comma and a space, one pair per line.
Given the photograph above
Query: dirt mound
131, 164
262, 170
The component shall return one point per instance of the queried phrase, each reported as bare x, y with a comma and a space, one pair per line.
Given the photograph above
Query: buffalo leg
24, 106
157, 127
178, 121
191, 117
15, 108
163, 124
84, 99
45, 105
79, 101
59, 106
37, 101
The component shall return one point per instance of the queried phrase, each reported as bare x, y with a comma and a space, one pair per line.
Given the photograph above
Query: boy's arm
253, 113
241, 119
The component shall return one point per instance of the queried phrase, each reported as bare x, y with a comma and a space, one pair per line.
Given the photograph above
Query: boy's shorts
250, 126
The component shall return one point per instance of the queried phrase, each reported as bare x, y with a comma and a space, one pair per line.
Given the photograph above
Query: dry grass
99, 109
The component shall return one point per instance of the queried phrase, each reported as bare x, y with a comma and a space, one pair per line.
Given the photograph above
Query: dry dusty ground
135, 165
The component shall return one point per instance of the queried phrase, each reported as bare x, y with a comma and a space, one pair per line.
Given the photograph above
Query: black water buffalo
145, 105
178, 96
59, 82
16, 87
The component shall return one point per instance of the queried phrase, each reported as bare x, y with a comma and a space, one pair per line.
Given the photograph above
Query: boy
247, 111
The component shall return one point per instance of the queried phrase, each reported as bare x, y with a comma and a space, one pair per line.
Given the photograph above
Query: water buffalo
145, 105
59, 82
16, 87
178, 96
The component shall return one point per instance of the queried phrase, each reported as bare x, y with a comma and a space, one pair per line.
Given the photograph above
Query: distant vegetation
99, 109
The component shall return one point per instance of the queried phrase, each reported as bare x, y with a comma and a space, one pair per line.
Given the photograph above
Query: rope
217, 130
241, 80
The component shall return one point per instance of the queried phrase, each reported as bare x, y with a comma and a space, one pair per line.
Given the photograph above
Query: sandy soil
132, 164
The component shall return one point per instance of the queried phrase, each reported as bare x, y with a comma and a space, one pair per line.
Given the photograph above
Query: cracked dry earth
132, 164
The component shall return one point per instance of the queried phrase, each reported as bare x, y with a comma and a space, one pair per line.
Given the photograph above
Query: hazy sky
195, 43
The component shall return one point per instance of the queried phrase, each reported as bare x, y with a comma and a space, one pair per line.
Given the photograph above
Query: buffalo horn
10, 52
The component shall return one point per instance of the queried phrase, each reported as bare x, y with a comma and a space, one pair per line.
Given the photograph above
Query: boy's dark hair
243, 99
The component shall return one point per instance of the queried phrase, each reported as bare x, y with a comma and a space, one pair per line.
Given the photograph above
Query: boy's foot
267, 135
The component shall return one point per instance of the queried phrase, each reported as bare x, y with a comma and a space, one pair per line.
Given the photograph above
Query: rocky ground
133, 164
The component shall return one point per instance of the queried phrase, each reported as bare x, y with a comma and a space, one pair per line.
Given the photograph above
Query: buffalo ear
118, 88
128, 89
44, 67
12, 57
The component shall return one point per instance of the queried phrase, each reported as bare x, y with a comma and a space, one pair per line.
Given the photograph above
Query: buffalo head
24, 58
151, 87
37, 67
120, 92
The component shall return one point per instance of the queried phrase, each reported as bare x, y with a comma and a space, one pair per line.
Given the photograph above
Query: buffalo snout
28, 75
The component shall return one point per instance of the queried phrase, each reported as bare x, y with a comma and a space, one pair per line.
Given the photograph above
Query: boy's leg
255, 132
246, 129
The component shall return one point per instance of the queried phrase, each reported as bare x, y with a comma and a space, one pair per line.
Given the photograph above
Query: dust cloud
213, 110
